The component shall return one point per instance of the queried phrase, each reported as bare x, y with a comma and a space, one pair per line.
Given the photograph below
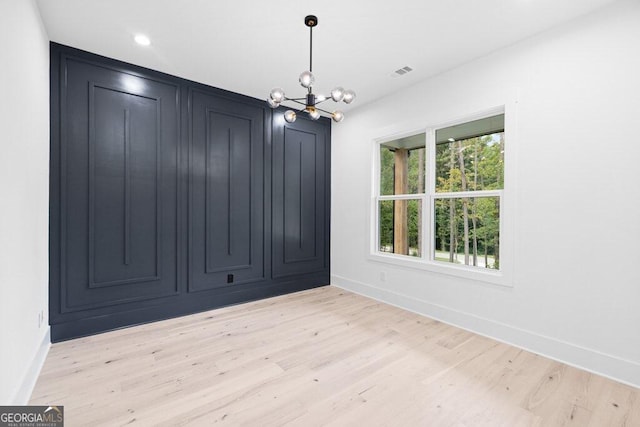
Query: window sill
499, 278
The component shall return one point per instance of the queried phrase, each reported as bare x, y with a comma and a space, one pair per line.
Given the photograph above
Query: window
440, 195
402, 183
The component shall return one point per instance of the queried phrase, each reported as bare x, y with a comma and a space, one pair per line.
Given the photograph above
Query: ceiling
251, 46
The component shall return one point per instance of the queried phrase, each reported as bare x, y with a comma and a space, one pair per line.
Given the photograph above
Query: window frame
501, 277
393, 197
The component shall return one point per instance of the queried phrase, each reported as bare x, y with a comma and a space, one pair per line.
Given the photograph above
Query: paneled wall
170, 197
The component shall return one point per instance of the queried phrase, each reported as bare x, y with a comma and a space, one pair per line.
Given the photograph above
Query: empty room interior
410, 213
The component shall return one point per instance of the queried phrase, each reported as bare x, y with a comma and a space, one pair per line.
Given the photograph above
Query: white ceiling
251, 46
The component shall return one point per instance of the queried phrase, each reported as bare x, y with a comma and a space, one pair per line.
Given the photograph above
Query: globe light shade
349, 96
337, 116
306, 79
277, 94
337, 94
290, 116
315, 114
272, 103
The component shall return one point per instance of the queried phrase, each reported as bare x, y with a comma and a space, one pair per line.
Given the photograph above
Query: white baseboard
606, 365
23, 394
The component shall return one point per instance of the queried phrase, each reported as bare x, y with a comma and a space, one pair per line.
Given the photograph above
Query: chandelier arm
319, 102
294, 99
297, 102
325, 111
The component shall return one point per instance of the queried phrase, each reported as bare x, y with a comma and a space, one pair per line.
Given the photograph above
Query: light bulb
272, 103
277, 94
337, 116
306, 79
337, 94
349, 96
290, 116
315, 114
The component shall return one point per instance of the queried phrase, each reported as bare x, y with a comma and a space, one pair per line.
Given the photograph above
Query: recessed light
142, 40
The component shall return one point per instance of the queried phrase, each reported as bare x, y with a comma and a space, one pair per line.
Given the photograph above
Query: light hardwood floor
315, 358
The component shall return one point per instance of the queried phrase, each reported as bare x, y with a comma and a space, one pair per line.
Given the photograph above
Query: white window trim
502, 277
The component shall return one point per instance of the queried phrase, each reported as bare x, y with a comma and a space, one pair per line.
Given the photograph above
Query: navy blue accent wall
170, 197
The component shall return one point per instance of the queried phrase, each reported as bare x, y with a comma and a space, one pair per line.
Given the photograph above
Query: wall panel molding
126, 193
300, 168
306, 194
210, 194
226, 200
162, 200
90, 199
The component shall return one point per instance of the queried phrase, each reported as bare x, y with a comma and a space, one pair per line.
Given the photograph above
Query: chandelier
311, 100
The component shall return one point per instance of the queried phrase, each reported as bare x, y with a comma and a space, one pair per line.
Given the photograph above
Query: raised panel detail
299, 198
226, 209
300, 191
228, 192
124, 177
118, 187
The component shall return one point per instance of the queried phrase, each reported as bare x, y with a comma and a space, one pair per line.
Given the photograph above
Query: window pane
467, 231
402, 168
385, 213
400, 227
470, 156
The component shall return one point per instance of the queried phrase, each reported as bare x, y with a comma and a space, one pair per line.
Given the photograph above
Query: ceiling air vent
401, 71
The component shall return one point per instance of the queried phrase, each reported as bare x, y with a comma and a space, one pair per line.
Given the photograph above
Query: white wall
576, 148
24, 197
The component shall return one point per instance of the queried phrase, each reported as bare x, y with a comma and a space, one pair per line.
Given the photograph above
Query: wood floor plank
316, 358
